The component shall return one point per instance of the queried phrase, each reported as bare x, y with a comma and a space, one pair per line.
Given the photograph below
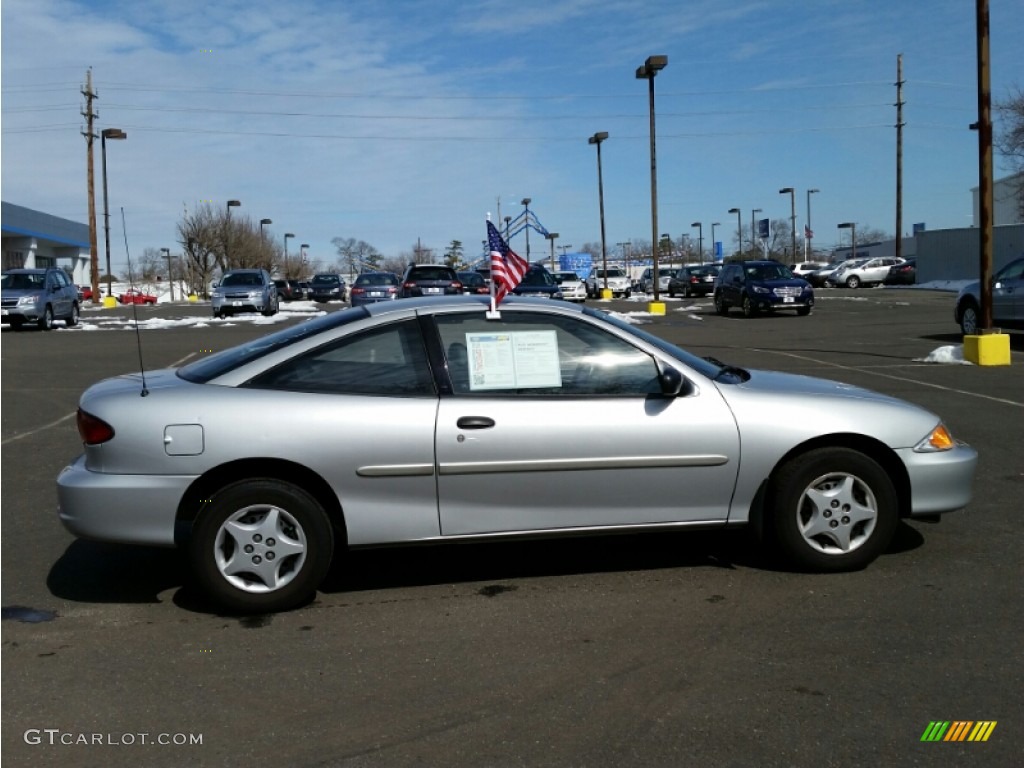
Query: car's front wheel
72, 320
969, 318
749, 307
46, 321
261, 546
720, 306
832, 509
853, 282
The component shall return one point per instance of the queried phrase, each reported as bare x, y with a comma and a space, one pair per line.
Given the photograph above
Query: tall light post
852, 226
170, 270
808, 232
302, 261
508, 221
739, 227
286, 236
714, 243
753, 224
700, 241
650, 68
107, 133
596, 140
262, 222
526, 220
227, 237
625, 253
552, 236
792, 216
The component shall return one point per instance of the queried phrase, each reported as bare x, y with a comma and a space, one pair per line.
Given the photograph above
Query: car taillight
93, 431
457, 285
409, 284
357, 291
392, 289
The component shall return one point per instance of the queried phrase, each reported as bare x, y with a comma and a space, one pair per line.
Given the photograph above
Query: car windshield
23, 280
610, 273
565, 277
768, 272
241, 278
381, 279
220, 363
326, 280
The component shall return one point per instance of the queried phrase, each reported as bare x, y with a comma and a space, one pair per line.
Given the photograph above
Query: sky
405, 123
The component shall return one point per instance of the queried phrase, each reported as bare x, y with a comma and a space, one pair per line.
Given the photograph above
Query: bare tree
213, 240
1009, 139
356, 256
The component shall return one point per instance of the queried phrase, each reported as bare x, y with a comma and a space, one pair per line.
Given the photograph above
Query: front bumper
127, 509
940, 481
16, 314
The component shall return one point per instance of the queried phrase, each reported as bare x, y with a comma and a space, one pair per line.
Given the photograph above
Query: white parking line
1002, 400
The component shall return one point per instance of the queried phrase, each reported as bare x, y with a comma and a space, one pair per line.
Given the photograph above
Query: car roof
24, 271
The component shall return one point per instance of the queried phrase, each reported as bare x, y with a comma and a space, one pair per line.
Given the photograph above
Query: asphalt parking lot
667, 650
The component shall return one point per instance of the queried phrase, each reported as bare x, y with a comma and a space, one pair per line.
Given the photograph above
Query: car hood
783, 282
971, 289
786, 406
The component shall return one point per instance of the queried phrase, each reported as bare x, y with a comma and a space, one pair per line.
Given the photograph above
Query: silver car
245, 290
1007, 300
458, 424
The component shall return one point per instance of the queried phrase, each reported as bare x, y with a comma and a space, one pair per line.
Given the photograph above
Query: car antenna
135, 307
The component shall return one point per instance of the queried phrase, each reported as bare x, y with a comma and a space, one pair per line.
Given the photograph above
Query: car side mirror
671, 380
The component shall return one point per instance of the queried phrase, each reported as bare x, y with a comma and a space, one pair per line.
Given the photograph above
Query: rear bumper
128, 509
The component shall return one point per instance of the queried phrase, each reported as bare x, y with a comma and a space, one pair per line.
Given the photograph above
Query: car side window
387, 361
550, 355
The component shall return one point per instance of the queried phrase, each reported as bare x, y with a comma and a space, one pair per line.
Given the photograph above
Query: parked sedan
693, 281
371, 287
327, 287
867, 272
455, 422
904, 273
474, 282
1007, 300
819, 277
665, 274
135, 296
573, 288
429, 280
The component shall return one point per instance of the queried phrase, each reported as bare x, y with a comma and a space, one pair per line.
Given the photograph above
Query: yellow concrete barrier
656, 308
606, 293
193, 298
988, 349
109, 301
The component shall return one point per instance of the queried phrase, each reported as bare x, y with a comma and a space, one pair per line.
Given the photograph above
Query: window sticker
519, 360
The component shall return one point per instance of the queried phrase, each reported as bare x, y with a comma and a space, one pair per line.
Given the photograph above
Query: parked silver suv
38, 296
245, 290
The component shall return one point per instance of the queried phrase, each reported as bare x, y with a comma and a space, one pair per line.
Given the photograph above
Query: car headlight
939, 439
255, 295
29, 301
759, 289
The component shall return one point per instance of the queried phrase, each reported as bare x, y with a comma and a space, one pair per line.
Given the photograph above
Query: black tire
832, 510
72, 319
627, 294
671, 293
686, 291
803, 311
853, 282
720, 306
749, 307
278, 530
969, 318
45, 322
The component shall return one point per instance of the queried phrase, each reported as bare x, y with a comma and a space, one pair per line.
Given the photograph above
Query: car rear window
432, 273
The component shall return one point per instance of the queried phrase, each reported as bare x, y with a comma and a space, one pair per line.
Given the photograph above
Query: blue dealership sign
762, 228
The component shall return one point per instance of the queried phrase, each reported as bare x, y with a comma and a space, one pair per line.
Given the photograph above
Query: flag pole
492, 313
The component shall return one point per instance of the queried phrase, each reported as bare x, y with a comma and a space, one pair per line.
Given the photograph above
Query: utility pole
899, 156
90, 134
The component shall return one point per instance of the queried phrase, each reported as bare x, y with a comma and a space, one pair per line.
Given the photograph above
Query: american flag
507, 268
808, 234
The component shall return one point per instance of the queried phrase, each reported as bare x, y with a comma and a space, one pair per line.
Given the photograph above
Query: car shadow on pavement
99, 572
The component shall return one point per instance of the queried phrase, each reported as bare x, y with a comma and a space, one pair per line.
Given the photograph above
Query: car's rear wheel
749, 307
720, 306
969, 318
832, 509
72, 320
46, 321
261, 546
853, 282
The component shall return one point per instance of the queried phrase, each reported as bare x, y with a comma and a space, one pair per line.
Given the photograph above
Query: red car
133, 296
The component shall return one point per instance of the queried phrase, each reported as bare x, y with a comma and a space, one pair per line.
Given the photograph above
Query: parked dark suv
757, 286
39, 296
429, 280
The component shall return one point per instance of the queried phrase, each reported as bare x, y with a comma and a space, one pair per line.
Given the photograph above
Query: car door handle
474, 422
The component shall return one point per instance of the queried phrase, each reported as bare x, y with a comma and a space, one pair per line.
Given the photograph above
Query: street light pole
107, 133
809, 233
852, 226
552, 236
714, 243
526, 220
286, 236
170, 270
650, 68
302, 262
739, 228
753, 225
700, 241
596, 140
792, 215
227, 238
